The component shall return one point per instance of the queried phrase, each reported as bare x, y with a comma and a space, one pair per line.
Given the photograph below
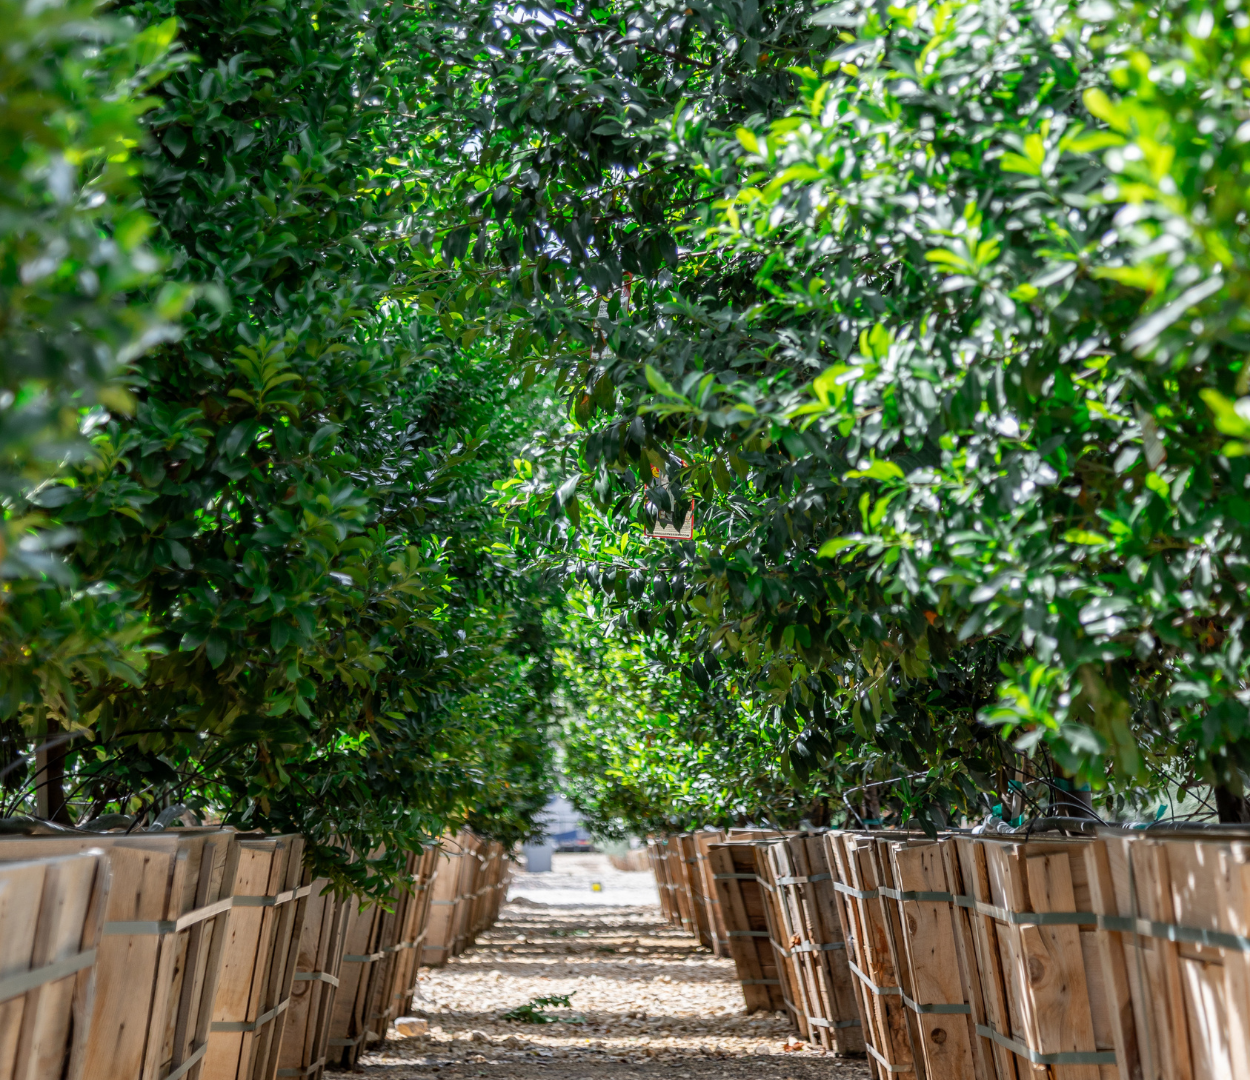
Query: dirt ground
646, 1001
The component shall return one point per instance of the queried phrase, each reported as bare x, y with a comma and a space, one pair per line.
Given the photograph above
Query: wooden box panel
742, 901
259, 959
160, 947
812, 937
867, 932
51, 911
1039, 981
703, 884
305, 1042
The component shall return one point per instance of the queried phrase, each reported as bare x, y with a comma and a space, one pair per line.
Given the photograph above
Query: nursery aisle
651, 1002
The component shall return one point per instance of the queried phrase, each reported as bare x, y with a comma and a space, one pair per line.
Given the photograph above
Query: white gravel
642, 994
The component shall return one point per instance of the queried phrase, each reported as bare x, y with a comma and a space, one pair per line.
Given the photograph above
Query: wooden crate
743, 904
1173, 942
705, 887
787, 969
393, 975
657, 847
812, 937
918, 891
51, 915
412, 937
1038, 981
445, 886
675, 867
362, 949
868, 933
160, 949
305, 1042
270, 893
470, 872
691, 887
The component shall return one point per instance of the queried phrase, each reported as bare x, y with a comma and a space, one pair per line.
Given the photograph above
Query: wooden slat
707, 893
1115, 970
932, 960
746, 922
1055, 968
864, 926
305, 1041
49, 913
258, 961
1233, 889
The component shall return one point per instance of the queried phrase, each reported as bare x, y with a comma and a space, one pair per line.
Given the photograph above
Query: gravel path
647, 1002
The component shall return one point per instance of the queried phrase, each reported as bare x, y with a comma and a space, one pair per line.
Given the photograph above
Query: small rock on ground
647, 1001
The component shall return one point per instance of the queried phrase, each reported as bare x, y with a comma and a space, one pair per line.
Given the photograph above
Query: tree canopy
353, 351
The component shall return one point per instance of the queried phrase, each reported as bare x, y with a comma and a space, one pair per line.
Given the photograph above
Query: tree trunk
1232, 809
50, 785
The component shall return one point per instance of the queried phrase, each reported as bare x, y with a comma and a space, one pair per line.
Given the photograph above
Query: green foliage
937, 312
952, 363
531, 1012
653, 744
73, 247
334, 641
72, 92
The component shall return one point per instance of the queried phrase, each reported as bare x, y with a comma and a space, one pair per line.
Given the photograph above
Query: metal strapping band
820, 1021
1216, 939
14, 985
272, 901
748, 933
780, 948
809, 946
442, 903
406, 944
878, 990
170, 926
250, 1025
939, 1010
759, 982
314, 976
733, 877
885, 1064
347, 1042
804, 880
1029, 918
920, 894
190, 1063
859, 894
300, 1072
915, 1006
368, 958
1078, 1057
